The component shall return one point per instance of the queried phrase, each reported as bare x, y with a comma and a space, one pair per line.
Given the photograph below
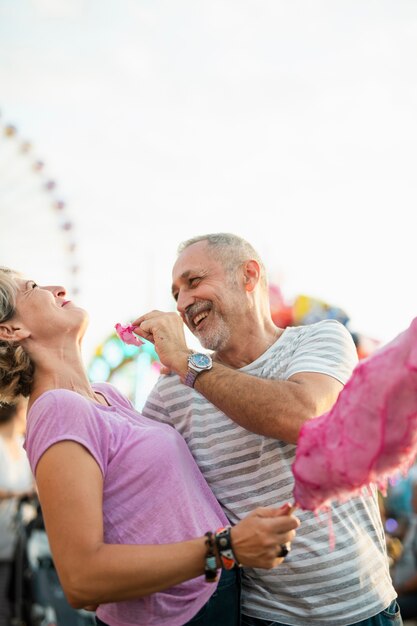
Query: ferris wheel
37, 233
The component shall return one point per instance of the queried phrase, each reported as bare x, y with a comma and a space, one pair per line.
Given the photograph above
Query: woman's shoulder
112, 394
67, 396
50, 399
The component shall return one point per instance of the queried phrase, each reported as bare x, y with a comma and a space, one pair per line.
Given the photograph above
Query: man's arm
275, 408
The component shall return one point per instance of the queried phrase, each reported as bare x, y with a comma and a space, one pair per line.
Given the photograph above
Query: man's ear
11, 332
251, 274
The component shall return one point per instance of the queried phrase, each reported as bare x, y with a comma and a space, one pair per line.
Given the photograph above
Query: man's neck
246, 349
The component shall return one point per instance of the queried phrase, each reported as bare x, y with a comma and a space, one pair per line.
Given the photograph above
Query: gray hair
16, 368
231, 250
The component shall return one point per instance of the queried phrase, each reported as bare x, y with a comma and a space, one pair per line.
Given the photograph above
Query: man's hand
166, 332
258, 538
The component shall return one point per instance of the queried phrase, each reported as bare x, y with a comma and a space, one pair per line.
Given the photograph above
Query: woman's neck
60, 370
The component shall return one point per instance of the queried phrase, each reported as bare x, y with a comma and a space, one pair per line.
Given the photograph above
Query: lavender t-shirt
153, 491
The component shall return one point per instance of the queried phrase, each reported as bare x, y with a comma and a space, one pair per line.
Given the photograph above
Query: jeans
222, 609
389, 617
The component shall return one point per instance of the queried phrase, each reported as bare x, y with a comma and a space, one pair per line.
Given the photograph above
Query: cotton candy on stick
126, 334
370, 433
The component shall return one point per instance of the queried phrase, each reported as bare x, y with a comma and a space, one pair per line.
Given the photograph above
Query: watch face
200, 360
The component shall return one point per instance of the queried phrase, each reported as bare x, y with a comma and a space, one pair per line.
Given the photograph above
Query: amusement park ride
37, 232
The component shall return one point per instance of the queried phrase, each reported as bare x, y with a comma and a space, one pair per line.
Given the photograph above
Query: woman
125, 506
16, 481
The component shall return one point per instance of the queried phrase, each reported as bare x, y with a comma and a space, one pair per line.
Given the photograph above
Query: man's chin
213, 341
204, 339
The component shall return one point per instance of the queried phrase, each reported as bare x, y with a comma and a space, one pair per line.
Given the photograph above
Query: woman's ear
11, 332
251, 274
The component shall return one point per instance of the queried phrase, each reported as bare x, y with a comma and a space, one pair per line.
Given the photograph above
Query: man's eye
195, 280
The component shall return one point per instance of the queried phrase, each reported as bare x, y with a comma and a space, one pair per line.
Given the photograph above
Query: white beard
216, 336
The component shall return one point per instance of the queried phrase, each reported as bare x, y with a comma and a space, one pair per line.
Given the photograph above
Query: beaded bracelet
224, 546
210, 568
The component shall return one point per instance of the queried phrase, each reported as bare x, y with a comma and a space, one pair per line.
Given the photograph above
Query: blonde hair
16, 367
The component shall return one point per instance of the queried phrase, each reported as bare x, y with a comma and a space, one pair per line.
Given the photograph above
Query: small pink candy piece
126, 334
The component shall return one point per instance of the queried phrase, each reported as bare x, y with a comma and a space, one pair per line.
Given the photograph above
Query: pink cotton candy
370, 433
126, 334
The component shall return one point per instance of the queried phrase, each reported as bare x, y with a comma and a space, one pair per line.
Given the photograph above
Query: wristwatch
197, 362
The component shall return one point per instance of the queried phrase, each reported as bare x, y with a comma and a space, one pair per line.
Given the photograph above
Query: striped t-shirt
316, 584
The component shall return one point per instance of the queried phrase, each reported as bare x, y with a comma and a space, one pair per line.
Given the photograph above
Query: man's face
209, 300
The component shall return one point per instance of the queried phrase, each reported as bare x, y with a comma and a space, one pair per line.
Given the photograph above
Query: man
241, 414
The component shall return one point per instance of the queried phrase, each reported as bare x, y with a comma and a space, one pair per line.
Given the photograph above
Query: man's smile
199, 317
197, 313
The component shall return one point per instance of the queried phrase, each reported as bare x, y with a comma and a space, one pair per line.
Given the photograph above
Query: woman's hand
257, 539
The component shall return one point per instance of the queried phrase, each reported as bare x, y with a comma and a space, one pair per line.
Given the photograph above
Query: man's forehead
194, 257
184, 268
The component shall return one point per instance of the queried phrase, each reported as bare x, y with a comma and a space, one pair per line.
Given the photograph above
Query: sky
290, 123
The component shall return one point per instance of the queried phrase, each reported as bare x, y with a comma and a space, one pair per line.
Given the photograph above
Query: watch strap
189, 380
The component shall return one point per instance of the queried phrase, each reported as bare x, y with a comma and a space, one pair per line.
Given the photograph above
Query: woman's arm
70, 486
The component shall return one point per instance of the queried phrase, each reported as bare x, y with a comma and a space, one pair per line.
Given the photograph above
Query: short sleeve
325, 348
65, 416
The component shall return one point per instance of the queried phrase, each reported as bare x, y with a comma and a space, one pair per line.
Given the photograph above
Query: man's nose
184, 300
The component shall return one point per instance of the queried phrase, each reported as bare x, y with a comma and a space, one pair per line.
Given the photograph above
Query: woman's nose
58, 290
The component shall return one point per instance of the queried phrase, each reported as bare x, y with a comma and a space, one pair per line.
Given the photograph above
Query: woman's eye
34, 285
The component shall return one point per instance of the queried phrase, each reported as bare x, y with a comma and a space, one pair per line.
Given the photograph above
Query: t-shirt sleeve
67, 418
325, 348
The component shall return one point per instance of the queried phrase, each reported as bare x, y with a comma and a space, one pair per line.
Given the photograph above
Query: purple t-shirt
153, 491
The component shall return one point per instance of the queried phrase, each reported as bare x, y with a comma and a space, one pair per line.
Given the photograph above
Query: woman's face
44, 311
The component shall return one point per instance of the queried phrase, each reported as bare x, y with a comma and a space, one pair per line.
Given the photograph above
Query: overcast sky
290, 122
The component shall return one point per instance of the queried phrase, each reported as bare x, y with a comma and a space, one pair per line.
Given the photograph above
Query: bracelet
210, 567
224, 546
